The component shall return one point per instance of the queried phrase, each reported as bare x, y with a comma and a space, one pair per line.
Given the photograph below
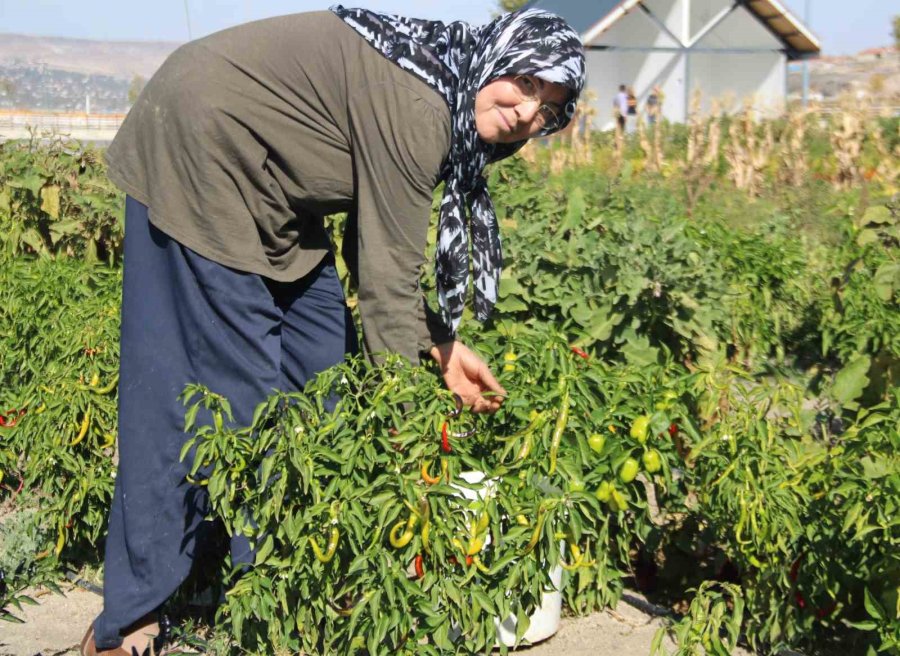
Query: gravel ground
56, 625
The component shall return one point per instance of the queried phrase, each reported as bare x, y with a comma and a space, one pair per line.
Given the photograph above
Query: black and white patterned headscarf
457, 60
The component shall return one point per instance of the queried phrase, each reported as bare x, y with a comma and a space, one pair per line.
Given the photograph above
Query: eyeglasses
547, 117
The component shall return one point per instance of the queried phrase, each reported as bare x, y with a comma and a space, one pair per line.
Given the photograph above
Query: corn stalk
652, 148
794, 166
888, 169
746, 153
846, 143
702, 153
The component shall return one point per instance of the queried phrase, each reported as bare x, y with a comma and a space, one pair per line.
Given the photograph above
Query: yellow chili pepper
399, 540
109, 387
60, 541
426, 474
330, 549
536, 534
85, 422
577, 558
481, 566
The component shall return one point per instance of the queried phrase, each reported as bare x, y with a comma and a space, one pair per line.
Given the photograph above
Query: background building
730, 50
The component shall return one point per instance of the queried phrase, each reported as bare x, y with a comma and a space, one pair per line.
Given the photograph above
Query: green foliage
55, 199
769, 287
860, 317
59, 352
714, 610
802, 503
20, 540
616, 276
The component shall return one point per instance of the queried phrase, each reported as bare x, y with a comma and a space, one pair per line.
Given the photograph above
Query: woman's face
516, 107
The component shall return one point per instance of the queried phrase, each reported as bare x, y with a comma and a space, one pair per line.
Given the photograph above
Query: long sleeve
399, 138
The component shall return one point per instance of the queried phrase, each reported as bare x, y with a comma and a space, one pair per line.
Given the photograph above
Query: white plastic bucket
544, 621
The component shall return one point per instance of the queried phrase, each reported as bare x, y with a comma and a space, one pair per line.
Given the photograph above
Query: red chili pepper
445, 440
452, 560
673, 429
11, 417
469, 560
795, 569
420, 570
581, 354
825, 611
800, 599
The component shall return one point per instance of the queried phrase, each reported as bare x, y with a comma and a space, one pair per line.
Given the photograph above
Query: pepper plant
59, 351
363, 538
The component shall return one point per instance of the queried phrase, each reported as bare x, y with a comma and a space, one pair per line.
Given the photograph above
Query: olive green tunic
244, 140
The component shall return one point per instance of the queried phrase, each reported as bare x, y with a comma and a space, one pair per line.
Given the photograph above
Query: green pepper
576, 485
604, 492
652, 461
561, 419
596, 441
639, 428
629, 470
617, 501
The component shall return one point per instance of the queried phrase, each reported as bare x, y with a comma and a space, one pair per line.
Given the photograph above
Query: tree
7, 87
510, 5
897, 32
137, 85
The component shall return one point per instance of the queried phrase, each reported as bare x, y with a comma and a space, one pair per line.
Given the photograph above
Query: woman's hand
467, 375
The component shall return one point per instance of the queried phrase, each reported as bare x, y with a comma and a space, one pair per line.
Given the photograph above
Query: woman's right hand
469, 376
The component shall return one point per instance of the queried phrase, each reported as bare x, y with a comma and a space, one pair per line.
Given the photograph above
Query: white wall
759, 77
672, 14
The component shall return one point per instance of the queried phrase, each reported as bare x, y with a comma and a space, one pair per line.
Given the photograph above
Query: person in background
631, 102
233, 154
620, 107
654, 104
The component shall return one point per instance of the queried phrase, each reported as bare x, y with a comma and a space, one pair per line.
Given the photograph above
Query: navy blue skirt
187, 319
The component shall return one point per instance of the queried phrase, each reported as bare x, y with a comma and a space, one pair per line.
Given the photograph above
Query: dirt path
56, 625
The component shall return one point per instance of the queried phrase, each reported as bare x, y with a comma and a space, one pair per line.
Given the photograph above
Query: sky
844, 27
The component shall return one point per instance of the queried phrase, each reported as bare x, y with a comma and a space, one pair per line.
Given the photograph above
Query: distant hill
117, 59
872, 73
54, 73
